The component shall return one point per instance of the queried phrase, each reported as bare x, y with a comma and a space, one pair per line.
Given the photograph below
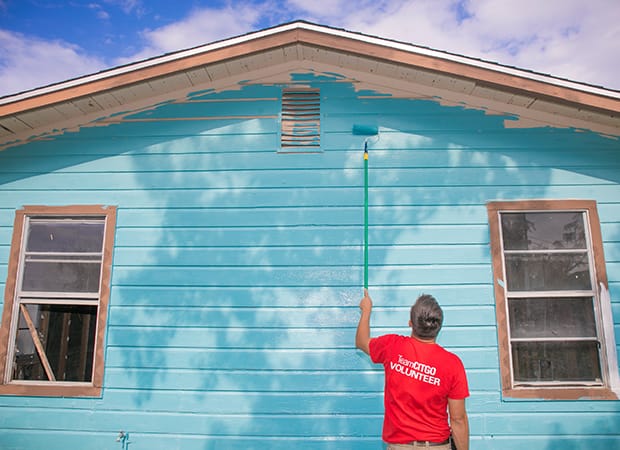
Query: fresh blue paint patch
237, 270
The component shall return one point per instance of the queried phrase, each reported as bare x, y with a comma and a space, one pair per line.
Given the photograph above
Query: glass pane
556, 361
543, 230
67, 335
68, 236
547, 272
61, 277
551, 317
27, 365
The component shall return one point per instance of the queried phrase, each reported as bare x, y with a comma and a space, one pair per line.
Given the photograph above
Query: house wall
237, 269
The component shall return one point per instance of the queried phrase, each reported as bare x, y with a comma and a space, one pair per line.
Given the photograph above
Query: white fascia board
494, 67
320, 29
143, 64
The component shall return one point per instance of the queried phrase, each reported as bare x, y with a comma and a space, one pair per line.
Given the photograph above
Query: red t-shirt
419, 379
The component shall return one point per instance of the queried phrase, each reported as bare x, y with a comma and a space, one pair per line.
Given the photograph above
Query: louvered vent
301, 119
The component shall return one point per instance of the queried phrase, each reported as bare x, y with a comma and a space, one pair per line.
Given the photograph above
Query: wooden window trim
59, 389
547, 393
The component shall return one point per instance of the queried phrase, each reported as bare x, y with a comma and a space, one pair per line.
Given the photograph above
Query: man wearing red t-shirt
425, 385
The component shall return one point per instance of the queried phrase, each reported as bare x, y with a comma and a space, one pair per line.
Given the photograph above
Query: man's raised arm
362, 336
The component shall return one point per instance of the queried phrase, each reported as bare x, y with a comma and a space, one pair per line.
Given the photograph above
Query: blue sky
48, 41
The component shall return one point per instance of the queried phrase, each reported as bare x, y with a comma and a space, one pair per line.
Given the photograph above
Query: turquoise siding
237, 269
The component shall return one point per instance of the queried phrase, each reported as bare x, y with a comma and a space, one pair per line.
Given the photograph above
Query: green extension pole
365, 215
365, 130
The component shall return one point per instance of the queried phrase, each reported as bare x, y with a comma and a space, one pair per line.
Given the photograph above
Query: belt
429, 443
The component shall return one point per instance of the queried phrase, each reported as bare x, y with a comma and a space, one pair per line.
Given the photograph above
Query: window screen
553, 336
58, 299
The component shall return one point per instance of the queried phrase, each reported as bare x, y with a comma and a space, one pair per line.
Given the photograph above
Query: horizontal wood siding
237, 269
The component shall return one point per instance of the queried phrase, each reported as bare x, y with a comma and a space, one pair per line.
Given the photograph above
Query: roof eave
564, 91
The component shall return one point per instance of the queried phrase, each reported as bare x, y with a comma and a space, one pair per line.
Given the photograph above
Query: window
56, 298
301, 120
553, 310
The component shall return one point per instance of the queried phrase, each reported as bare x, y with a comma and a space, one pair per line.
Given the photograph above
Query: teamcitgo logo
416, 370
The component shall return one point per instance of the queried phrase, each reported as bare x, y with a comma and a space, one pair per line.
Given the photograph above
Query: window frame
602, 307
56, 388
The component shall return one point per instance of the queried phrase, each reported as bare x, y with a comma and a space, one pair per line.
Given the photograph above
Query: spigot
121, 436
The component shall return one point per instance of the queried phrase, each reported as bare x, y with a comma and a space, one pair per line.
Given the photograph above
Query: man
423, 381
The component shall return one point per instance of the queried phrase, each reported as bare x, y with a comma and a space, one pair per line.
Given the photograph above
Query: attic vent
301, 119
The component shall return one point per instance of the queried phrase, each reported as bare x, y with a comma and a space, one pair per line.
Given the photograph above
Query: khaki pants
418, 447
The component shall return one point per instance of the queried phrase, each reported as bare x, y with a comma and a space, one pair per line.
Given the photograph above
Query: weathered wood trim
507, 81
330, 42
151, 72
106, 276
561, 393
9, 291
50, 390
547, 393
500, 297
60, 389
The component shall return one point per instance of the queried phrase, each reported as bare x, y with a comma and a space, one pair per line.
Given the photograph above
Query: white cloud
566, 38
200, 27
574, 39
128, 6
319, 11
27, 62
101, 13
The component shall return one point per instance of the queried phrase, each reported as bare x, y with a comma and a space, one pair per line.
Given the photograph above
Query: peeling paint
366, 85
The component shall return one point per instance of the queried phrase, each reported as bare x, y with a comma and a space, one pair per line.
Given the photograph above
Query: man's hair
426, 317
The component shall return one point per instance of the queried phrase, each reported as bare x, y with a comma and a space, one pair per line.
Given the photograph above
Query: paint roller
369, 131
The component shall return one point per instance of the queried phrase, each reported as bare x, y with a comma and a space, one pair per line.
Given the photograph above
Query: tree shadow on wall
237, 269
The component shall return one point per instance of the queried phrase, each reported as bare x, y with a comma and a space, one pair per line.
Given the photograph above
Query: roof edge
293, 27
